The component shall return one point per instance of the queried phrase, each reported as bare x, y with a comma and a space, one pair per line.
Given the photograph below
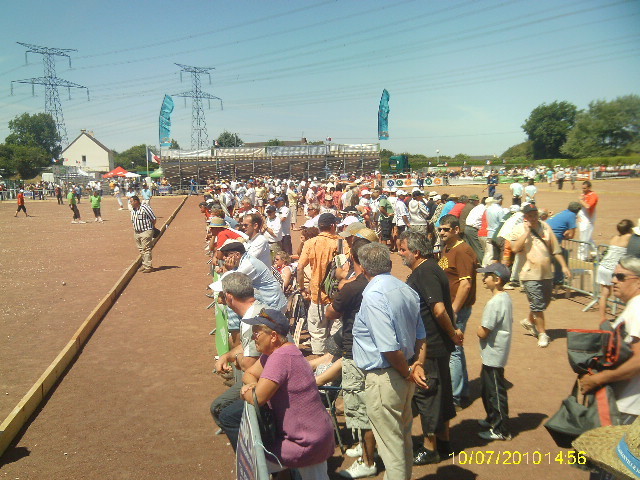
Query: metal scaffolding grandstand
294, 162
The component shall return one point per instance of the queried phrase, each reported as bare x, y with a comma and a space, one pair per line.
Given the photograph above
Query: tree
135, 158
174, 145
228, 139
7, 164
522, 151
274, 142
37, 130
29, 161
606, 129
548, 127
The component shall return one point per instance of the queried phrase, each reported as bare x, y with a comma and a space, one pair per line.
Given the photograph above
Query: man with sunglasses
625, 379
459, 262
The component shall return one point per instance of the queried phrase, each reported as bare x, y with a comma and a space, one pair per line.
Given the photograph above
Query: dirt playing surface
136, 402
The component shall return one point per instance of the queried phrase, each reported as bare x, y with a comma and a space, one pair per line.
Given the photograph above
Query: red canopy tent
116, 172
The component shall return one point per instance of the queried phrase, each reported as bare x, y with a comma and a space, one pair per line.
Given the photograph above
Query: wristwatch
409, 374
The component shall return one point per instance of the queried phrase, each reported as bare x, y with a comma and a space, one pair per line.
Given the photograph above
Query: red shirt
20, 198
591, 199
457, 208
225, 235
483, 231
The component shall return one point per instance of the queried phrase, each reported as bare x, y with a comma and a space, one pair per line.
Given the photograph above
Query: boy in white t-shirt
495, 342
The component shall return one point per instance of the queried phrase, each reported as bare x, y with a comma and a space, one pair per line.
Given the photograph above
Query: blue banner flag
165, 121
383, 116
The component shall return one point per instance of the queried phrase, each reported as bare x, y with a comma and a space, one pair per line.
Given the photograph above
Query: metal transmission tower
199, 137
51, 83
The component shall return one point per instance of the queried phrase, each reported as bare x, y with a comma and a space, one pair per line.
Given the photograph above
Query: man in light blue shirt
146, 195
266, 286
388, 334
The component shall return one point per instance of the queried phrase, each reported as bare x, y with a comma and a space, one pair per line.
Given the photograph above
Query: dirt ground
136, 402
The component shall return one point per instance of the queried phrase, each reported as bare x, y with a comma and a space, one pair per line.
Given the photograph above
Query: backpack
330, 283
597, 350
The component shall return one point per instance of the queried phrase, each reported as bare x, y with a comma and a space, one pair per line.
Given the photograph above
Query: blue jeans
458, 362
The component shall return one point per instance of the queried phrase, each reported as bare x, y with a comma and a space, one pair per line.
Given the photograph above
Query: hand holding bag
597, 409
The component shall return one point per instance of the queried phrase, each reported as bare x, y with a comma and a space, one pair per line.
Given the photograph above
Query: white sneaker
491, 435
543, 340
80, 221
359, 469
355, 452
529, 327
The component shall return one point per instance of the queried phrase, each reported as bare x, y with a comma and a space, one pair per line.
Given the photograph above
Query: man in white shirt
273, 231
257, 246
418, 212
530, 192
516, 191
625, 378
284, 214
251, 193
474, 223
401, 213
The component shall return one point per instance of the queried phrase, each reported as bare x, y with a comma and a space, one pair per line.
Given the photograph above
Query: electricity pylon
199, 137
51, 83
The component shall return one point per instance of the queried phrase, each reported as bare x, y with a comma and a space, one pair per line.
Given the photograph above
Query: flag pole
147, 161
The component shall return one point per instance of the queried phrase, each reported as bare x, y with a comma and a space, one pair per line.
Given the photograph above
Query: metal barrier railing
601, 250
575, 252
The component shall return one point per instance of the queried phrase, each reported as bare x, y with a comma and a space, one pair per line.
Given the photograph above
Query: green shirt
386, 204
72, 198
95, 201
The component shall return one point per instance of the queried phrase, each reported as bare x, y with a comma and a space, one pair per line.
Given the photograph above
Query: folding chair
331, 394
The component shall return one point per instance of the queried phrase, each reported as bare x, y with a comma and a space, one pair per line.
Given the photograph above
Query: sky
462, 75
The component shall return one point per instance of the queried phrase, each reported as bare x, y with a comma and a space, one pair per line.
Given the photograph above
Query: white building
88, 154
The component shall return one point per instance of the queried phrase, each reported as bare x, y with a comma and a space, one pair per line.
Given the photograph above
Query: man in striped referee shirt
144, 221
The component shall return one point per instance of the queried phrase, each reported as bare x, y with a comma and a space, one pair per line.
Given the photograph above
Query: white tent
131, 175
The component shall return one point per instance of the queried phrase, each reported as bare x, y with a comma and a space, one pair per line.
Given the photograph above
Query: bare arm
461, 295
446, 323
626, 371
331, 313
302, 263
397, 361
563, 264
417, 374
330, 373
483, 332
518, 244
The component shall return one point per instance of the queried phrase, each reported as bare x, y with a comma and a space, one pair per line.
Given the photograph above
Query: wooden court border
25, 408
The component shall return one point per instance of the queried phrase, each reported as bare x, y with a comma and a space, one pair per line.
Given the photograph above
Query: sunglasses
444, 229
621, 277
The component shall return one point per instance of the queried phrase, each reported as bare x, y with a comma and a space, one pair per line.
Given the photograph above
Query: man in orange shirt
21, 205
318, 252
587, 220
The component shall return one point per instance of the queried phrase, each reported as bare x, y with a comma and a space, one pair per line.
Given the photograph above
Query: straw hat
613, 448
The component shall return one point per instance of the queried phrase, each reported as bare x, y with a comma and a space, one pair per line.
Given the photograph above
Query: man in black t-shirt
435, 404
346, 305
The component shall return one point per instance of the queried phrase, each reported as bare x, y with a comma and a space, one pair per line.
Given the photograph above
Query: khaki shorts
355, 408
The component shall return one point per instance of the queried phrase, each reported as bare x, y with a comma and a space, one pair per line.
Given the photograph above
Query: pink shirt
305, 433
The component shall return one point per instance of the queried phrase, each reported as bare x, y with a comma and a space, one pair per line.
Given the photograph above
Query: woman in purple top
284, 379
